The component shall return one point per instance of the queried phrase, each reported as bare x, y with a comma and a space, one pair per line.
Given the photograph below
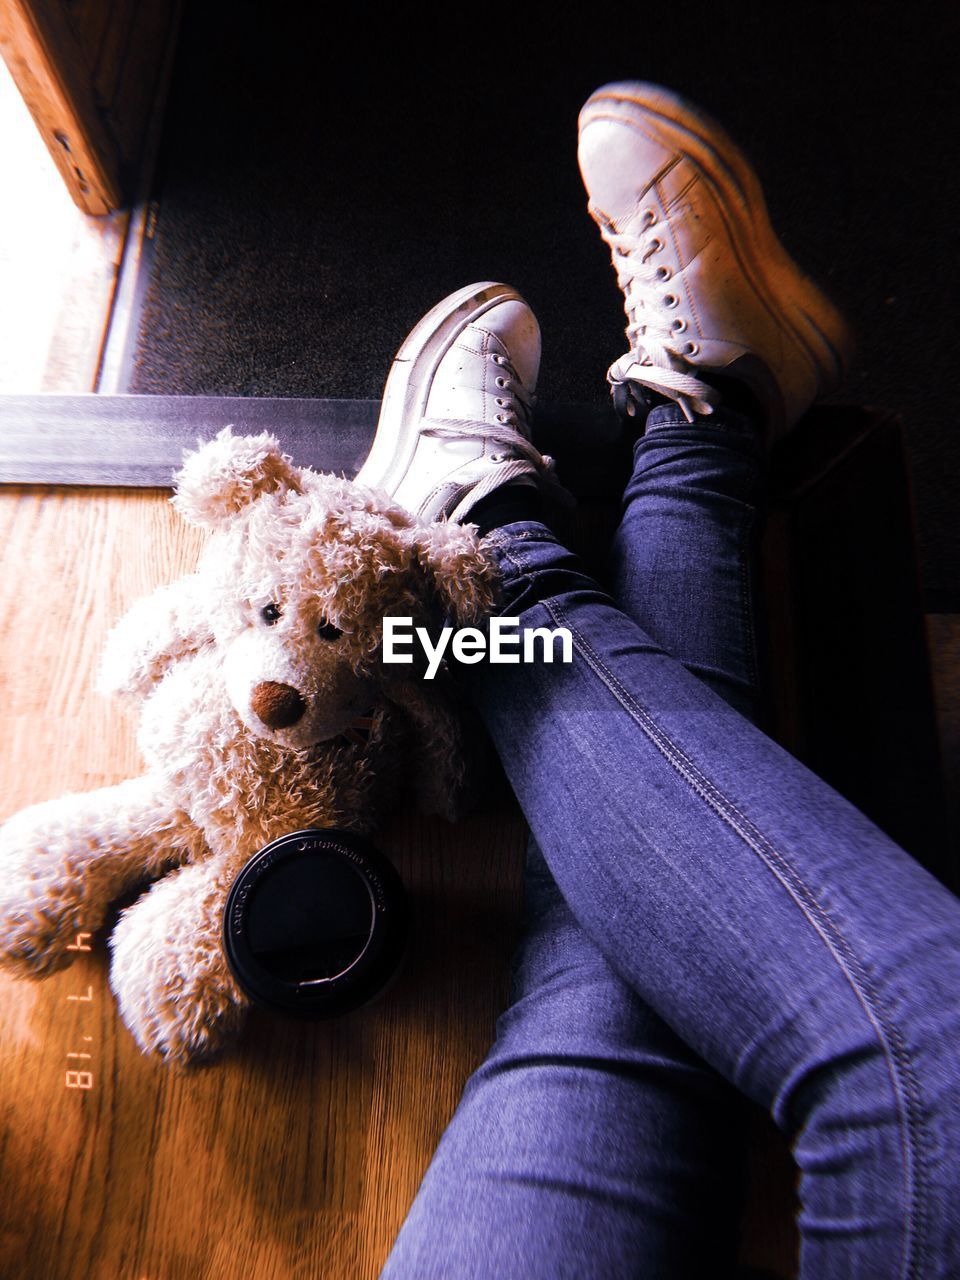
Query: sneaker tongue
613, 187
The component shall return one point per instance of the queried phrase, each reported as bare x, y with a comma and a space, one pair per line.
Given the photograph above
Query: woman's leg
684, 558
592, 1142
781, 935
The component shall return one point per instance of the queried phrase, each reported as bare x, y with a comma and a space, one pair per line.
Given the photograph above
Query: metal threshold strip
139, 441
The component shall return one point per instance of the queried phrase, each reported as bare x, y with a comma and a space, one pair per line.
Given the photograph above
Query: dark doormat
324, 183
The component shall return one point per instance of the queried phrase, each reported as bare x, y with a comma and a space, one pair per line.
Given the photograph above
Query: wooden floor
299, 1155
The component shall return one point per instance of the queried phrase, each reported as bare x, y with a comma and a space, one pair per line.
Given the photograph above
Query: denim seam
891, 1041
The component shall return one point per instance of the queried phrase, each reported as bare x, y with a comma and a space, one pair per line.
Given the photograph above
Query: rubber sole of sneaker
411, 376
815, 324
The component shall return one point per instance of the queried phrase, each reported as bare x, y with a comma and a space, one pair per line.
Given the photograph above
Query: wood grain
90, 72
299, 1154
46, 62
87, 288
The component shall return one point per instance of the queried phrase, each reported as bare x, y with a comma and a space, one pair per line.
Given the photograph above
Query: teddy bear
264, 708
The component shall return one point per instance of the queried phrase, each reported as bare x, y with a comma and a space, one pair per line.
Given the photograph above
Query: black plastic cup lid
315, 923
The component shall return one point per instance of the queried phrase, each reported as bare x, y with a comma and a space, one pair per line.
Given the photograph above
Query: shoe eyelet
501, 418
678, 325
496, 357
664, 273
647, 218
670, 300
500, 382
500, 401
691, 349
499, 457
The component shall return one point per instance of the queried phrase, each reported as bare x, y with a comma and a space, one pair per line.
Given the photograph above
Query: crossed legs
708, 916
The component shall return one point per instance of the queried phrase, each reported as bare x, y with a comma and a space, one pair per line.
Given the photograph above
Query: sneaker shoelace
517, 456
657, 349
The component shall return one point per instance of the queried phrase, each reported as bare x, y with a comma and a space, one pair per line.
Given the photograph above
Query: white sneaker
707, 285
455, 420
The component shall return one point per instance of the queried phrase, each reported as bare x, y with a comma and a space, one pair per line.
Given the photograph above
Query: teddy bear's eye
270, 613
327, 631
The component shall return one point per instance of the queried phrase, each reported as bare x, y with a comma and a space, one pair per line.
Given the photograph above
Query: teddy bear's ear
462, 576
228, 472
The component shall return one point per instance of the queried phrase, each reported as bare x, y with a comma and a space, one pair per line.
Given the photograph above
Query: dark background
327, 175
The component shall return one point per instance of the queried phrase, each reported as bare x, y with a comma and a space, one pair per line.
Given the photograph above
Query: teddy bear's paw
169, 971
32, 945
40, 903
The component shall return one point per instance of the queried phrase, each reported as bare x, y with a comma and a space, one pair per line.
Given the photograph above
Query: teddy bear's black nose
277, 705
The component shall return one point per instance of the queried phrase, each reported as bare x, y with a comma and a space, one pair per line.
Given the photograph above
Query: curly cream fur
220, 783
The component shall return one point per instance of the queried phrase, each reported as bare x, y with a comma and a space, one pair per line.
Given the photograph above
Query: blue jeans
707, 919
